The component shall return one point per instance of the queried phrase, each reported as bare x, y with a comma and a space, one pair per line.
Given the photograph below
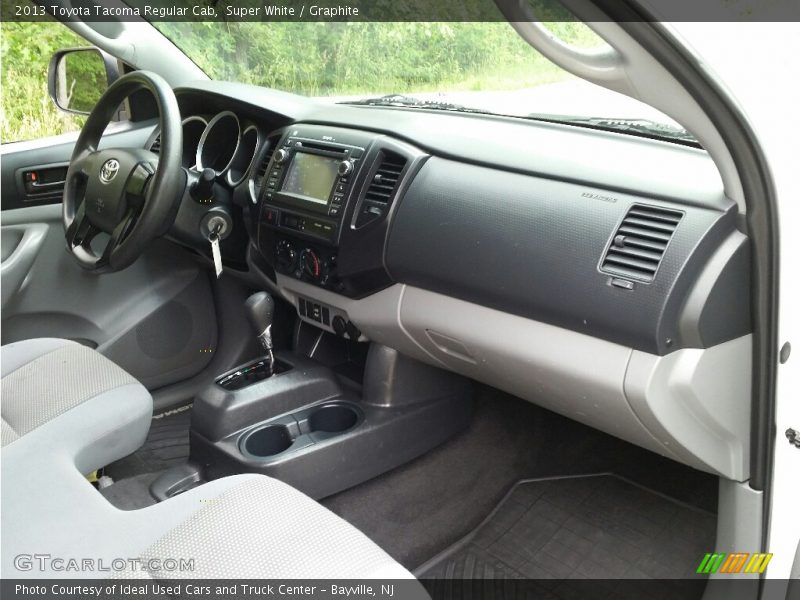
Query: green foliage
324, 59
317, 59
27, 110
85, 79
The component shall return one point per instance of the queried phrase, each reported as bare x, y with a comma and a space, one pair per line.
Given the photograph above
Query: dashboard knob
281, 156
345, 167
287, 256
339, 325
312, 265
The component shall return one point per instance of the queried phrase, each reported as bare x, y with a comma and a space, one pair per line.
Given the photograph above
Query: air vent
261, 171
156, 145
382, 188
639, 244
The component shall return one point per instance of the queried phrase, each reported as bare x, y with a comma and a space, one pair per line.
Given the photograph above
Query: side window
28, 111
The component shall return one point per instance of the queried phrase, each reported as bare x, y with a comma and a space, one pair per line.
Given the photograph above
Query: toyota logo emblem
109, 170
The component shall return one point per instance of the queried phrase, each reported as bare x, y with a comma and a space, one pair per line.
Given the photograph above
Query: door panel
156, 318
21, 245
48, 157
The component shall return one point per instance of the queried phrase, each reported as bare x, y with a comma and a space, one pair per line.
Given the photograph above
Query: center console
312, 418
326, 204
301, 425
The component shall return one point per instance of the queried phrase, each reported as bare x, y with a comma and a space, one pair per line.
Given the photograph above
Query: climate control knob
281, 156
345, 167
286, 256
312, 265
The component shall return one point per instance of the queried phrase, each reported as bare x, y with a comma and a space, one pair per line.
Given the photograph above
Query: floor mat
132, 493
419, 509
167, 445
592, 527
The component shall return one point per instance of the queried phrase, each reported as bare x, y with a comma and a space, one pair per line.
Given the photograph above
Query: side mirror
77, 77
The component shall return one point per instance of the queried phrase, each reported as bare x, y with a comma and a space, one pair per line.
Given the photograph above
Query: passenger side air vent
156, 145
639, 244
382, 188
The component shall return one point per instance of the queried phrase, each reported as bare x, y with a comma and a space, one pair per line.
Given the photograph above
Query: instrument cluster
224, 143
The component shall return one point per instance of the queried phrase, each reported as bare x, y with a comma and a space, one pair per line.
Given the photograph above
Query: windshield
483, 66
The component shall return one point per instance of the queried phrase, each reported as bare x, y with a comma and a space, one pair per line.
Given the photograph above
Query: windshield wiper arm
644, 127
400, 101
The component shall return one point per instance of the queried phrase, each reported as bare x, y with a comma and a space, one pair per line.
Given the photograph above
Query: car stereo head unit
312, 176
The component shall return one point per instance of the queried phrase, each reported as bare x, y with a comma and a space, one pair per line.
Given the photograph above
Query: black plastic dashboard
621, 238
538, 248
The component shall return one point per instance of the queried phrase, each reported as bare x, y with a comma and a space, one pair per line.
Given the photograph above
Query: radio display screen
311, 176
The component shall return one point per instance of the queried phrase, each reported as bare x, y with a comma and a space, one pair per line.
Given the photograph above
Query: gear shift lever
260, 308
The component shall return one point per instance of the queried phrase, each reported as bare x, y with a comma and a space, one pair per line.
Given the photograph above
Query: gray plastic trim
21, 245
697, 403
739, 517
573, 374
377, 316
691, 406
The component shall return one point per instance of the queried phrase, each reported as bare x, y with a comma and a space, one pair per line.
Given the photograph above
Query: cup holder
299, 430
333, 418
268, 441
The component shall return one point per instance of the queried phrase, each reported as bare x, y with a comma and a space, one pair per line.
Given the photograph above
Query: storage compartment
267, 441
333, 418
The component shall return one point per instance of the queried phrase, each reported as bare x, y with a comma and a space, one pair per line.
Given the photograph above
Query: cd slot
320, 147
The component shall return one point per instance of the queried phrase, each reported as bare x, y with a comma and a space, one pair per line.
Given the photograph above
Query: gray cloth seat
49, 383
256, 527
66, 411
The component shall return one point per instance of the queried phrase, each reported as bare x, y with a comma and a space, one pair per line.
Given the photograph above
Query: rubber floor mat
597, 527
167, 445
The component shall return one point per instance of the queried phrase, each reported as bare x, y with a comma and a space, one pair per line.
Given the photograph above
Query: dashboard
597, 274
352, 211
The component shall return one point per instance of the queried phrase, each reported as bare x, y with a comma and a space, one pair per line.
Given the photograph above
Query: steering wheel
131, 194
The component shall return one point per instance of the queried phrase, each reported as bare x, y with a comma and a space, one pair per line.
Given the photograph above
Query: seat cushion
239, 527
44, 378
262, 528
66, 401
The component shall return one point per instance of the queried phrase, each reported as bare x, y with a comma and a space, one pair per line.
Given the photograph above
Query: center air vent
639, 244
261, 170
382, 188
